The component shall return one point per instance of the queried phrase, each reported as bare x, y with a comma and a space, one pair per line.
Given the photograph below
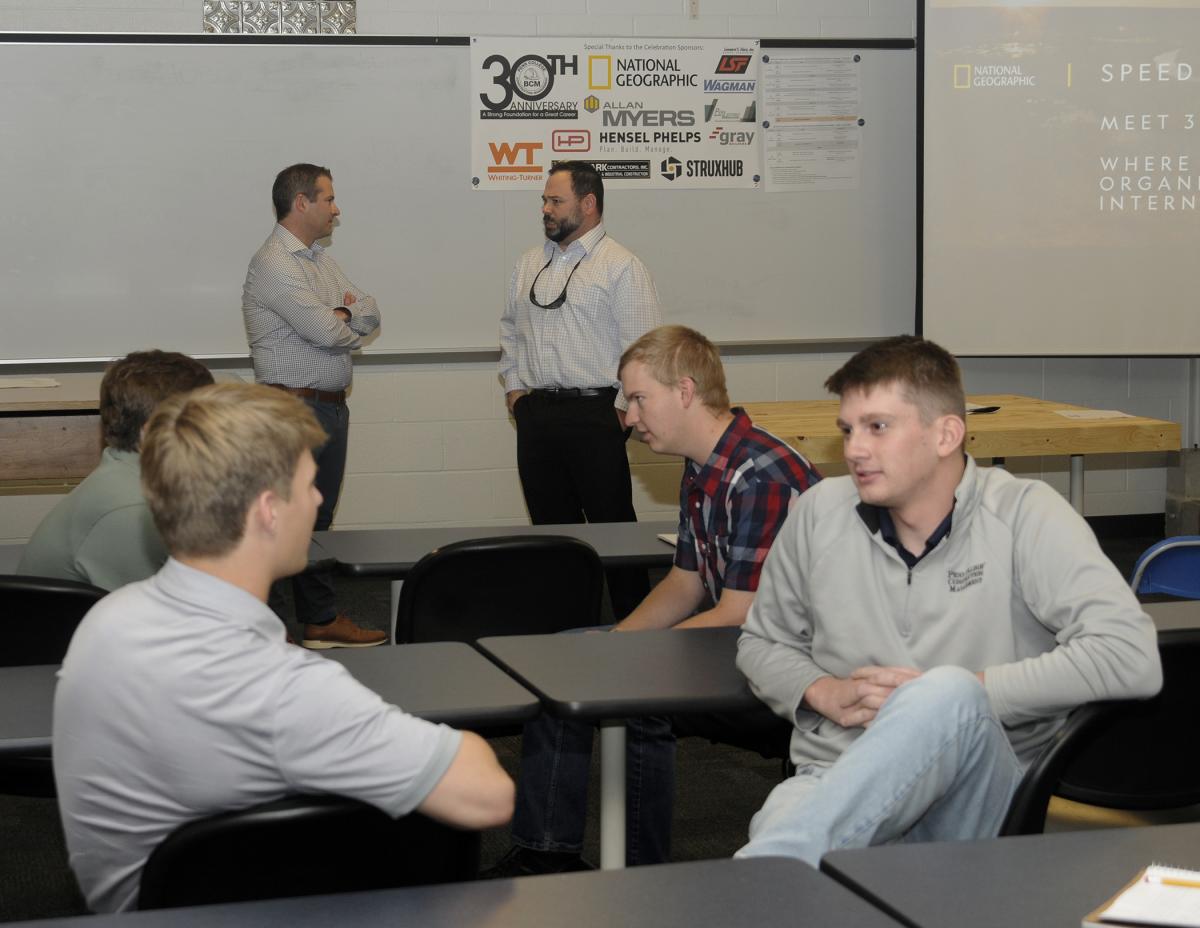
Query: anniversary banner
646, 112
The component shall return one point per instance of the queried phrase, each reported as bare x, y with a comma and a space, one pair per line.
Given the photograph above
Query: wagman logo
514, 158
571, 140
733, 64
962, 76
599, 72
591, 103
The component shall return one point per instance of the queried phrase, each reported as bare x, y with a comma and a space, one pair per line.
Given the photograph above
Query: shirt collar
585, 243
879, 519
709, 476
293, 244
217, 598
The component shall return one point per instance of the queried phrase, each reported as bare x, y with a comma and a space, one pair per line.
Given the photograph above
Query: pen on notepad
982, 410
1172, 881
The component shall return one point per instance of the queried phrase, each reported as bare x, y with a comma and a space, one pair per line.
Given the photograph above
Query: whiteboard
139, 177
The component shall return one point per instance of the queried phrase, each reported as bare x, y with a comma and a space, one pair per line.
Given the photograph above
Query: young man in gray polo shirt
179, 696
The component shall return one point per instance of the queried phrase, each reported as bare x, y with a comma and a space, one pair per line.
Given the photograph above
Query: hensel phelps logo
733, 64
571, 140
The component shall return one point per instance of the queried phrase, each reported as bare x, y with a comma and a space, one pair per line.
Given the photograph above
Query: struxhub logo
671, 168
530, 77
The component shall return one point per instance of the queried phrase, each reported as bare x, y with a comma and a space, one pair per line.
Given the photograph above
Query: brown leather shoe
342, 632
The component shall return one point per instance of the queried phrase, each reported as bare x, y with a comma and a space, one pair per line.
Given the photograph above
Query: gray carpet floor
718, 790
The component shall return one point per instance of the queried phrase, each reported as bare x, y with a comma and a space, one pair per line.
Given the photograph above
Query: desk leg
612, 795
1075, 486
396, 584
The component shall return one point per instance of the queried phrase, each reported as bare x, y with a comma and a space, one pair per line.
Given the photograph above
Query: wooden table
698, 894
1023, 427
609, 677
50, 436
1029, 881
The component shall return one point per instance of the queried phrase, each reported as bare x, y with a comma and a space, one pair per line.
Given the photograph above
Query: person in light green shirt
102, 532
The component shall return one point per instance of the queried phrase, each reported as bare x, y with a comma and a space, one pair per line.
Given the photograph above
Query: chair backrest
1171, 566
302, 846
38, 616
512, 585
1132, 754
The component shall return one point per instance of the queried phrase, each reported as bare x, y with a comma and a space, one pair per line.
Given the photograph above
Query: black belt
309, 393
570, 392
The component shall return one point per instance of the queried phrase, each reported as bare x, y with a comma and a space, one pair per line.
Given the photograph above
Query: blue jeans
934, 766
552, 787
313, 590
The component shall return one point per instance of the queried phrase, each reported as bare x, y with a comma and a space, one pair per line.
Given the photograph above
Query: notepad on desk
1158, 895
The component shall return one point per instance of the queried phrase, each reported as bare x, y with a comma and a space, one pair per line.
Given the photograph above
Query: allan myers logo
671, 168
514, 158
571, 140
733, 64
591, 103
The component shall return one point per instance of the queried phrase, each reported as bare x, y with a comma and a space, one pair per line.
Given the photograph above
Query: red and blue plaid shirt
731, 508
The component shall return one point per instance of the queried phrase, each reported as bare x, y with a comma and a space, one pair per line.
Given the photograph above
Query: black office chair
38, 616
512, 585
1132, 754
302, 846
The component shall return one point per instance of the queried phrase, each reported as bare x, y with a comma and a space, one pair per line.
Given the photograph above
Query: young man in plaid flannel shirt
738, 485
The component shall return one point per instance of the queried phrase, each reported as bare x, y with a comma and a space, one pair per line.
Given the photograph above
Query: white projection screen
1061, 206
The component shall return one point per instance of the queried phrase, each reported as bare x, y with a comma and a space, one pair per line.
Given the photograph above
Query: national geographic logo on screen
968, 76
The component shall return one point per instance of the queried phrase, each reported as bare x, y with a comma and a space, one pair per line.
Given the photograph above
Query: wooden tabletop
74, 392
1022, 427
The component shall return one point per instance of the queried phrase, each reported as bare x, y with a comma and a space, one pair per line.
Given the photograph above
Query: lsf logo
733, 64
571, 140
506, 155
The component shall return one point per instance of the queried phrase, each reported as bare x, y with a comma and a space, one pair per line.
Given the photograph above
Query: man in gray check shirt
575, 303
303, 318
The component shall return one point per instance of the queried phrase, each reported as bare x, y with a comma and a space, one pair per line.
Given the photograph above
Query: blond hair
672, 352
207, 455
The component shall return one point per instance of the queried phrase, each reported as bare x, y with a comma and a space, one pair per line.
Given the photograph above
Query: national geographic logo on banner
530, 78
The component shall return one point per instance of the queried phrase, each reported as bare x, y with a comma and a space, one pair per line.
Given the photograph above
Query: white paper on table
1093, 414
14, 382
670, 538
